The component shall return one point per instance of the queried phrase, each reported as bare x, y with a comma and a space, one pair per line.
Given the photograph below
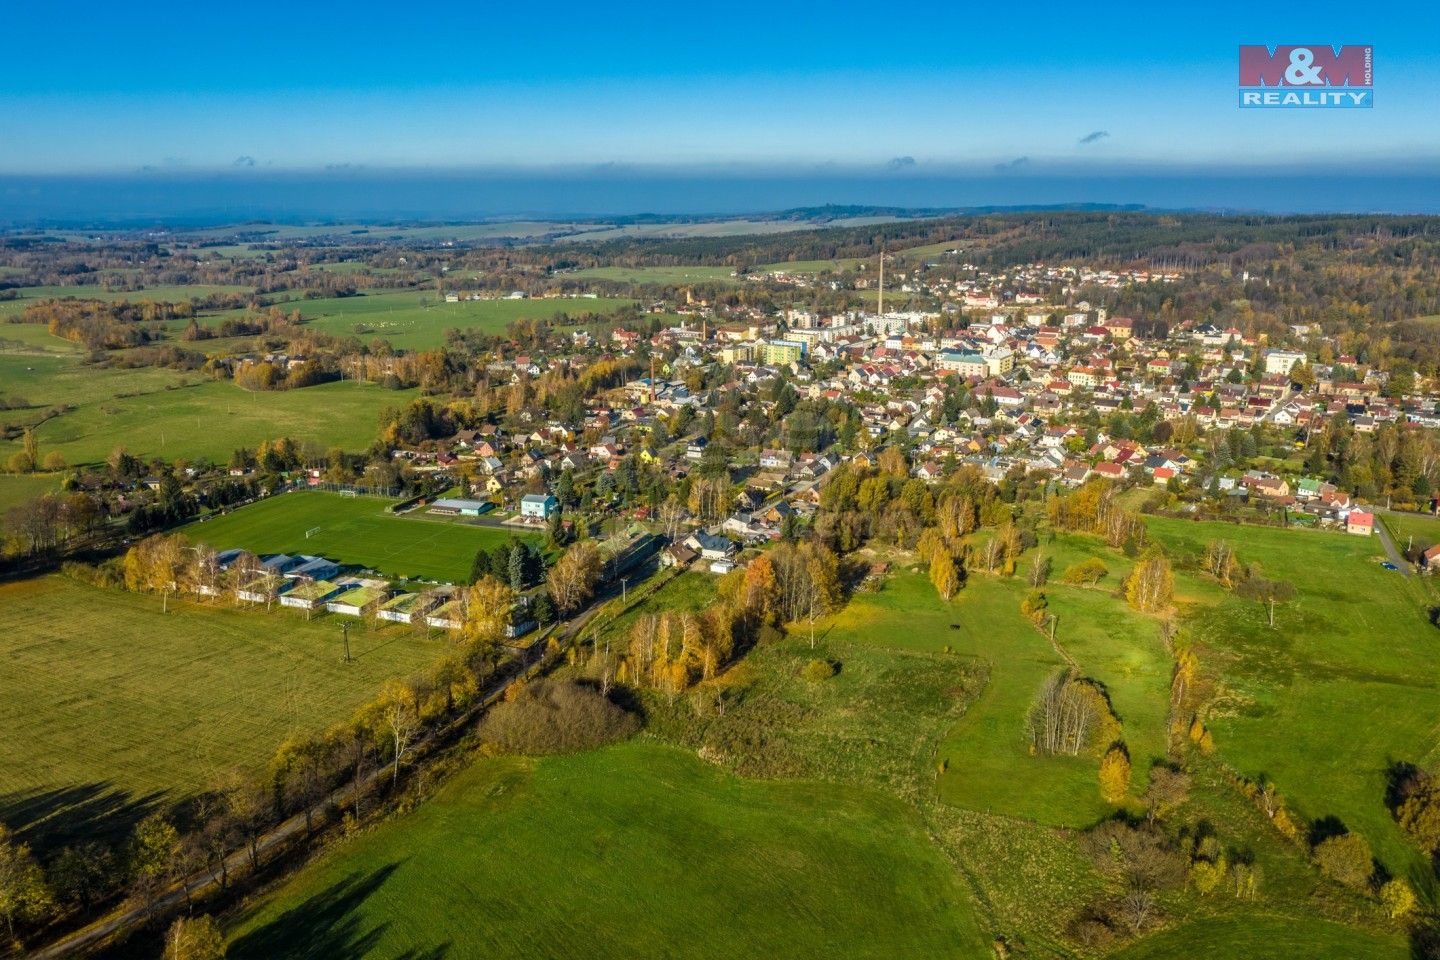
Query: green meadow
1341, 687
418, 319
638, 850
113, 706
157, 412
353, 530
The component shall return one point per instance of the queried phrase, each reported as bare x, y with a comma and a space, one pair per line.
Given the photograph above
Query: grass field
1344, 685
990, 768
1403, 526
661, 275
154, 412
18, 488
638, 850
414, 320
352, 530
112, 707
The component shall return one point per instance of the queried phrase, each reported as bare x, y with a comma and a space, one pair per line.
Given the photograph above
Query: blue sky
994, 88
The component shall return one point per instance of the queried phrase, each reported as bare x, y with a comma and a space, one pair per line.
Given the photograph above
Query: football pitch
351, 530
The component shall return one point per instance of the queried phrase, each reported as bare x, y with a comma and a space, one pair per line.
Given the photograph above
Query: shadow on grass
329, 925
49, 819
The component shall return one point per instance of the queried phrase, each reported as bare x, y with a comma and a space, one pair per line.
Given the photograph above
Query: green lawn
418, 319
154, 412
352, 530
634, 851
110, 706
1344, 684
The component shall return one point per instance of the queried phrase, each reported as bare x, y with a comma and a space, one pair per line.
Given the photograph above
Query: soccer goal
349, 493
311, 532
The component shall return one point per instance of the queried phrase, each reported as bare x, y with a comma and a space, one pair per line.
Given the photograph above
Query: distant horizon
554, 194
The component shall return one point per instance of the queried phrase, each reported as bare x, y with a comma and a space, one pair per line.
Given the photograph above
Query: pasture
1342, 686
160, 413
20, 488
418, 319
638, 850
353, 530
112, 707
990, 768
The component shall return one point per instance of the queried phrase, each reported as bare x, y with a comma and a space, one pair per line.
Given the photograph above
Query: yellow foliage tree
1151, 585
1115, 774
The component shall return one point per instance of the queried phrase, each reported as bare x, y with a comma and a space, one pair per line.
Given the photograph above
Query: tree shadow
329, 925
54, 817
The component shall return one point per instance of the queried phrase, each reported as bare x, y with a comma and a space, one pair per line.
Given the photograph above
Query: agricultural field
577, 856
156, 412
114, 708
418, 319
353, 530
661, 275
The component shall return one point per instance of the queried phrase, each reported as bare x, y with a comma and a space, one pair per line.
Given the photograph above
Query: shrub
1398, 898
818, 671
553, 716
1346, 858
1085, 573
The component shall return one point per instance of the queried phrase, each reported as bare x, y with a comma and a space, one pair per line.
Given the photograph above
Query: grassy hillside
352, 530
1342, 686
635, 851
111, 706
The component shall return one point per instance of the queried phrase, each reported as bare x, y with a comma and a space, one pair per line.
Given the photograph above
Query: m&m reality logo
1310, 75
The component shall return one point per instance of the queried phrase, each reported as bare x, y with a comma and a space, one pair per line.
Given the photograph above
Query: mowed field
353, 530
111, 707
154, 412
418, 319
635, 851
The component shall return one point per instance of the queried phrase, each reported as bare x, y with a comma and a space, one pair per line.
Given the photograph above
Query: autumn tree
1115, 773
194, 938
945, 575
24, 895
1151, 585
487, 607
1346, 858
572, 580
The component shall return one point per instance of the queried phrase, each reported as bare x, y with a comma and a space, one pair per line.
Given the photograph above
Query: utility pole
345, 627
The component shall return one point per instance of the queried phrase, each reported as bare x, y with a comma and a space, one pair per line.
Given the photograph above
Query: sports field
635, 851
111, 707
418, 319
354, 530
